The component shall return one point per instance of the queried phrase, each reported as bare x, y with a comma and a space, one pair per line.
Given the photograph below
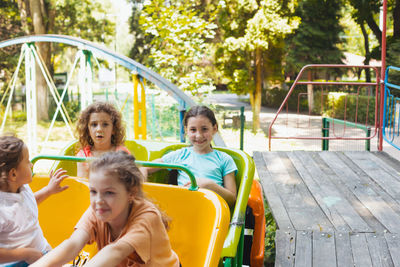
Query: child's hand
31, 255
202, 183
56, 178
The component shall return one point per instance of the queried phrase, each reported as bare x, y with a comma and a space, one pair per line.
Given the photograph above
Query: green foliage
275, 96
72, 107
19, 115
247, 26
83, 18
315, 41
333, 104
364, 109
164, 123
269, 255
176, 36
10, 27
141, 47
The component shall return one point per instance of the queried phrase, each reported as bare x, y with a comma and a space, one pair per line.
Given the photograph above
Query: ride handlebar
193, 185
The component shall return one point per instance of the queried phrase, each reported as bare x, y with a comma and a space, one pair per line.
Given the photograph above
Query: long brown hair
82, 126
11, 148
122, 165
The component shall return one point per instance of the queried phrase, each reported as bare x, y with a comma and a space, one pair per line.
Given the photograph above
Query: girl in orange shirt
128, 229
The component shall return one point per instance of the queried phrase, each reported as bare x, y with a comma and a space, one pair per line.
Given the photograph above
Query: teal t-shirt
214, 165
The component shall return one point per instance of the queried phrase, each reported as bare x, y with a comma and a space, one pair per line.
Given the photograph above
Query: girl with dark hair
21, 239
213, 169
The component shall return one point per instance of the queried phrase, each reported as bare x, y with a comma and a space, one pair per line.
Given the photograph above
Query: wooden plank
343, 249
360, 250
393, 242
303, 249
379, 173
277, 208
367, 196
302, 208
379, 251
335, 206
324, 252
364, 213
285, 245
390, 163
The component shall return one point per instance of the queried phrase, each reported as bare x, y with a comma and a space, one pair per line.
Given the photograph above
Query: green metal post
325, 133
228, 262
238, 260
368, 141
242, 120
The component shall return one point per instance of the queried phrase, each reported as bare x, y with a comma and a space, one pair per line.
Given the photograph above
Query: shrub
331, 105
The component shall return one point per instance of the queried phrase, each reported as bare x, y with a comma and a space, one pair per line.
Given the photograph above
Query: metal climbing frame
86, 55
391, 108
304, 128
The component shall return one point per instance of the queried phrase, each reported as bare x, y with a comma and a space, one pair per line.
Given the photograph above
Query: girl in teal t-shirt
213, 169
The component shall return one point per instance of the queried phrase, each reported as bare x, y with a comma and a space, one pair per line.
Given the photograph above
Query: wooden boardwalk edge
333, 208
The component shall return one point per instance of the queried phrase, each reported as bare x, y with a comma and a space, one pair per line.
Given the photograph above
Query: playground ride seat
199, 219
257, 214
233, 246
139, 151
232, 252
59, 214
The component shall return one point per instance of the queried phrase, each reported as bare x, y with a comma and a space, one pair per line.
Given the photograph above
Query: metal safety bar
193, 185
391, 110
325, 131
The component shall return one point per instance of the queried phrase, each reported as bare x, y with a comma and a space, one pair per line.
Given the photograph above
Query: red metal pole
383, 59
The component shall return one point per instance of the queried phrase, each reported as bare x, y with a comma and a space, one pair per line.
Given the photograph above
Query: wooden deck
333, 208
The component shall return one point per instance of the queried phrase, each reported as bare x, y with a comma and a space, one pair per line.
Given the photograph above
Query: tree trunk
396, 20
367, 54
23, 13
38, 20
256, 107
375, 28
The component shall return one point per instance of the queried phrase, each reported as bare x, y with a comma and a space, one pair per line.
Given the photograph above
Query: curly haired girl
100, 130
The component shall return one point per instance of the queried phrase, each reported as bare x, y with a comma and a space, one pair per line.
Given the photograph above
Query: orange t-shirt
86, 152
145, 232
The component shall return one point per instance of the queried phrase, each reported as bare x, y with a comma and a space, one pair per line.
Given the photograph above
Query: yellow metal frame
139, 108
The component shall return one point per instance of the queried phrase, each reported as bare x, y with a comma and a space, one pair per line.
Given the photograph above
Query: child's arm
53, 186
228, 192
149, 170
111, 255
81, 169
19, 254
66, 251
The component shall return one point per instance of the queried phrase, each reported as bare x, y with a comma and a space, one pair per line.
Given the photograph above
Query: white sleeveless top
19, 224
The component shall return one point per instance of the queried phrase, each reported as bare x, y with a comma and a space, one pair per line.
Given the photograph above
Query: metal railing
193, 186
328, 87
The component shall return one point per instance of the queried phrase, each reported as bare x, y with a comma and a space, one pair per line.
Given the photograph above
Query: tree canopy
315, 40
175, 36
84, 19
